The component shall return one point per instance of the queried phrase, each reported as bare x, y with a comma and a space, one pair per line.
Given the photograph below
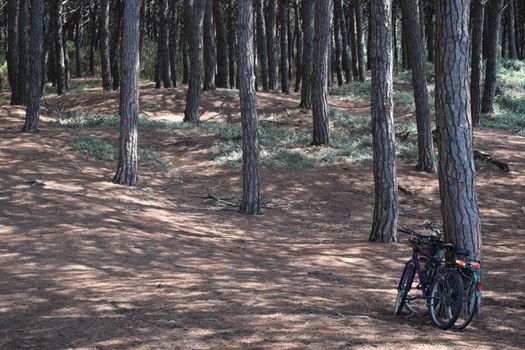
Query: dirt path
87, 264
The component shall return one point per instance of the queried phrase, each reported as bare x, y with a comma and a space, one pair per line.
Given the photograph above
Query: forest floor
87, 264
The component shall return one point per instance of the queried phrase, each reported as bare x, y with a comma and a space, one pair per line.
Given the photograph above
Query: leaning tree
457, 173
386, 208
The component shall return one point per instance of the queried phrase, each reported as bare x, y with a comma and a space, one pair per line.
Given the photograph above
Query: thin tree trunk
429, 29
107, 79
308, 34
360, 41
386, 208
477, 17
322, 43
513, 52
283, 27
353, 40
127, 167
23, 52
457, 173
173, 42
250, 203
78, 63
12, 49
93, 38
261, 43
210, 52
115, 44
298, 48
425, 145
337, 42
164, 44
494, 9
271, 46
223, 64
345, 58
191, 113
35, 76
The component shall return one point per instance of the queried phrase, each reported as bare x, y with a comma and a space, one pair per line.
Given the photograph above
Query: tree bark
322, 44
345, 58
232, 49
107, 79
12, 49
250, 203
298, 48
35, 76
127, 168
115, 44
173, 42
513, 52
223, 65
429, 29
425, 145
23, 52
210, 52
353, 40
191, 113
308, 34
360, 41
283, 31
337, 42
262, 50
477, 17
164, 44
78, 43
386, 208
494, 9
457, 173
271, 46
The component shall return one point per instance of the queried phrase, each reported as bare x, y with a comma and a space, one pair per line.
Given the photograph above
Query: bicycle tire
446, 298
470, 300
404, 287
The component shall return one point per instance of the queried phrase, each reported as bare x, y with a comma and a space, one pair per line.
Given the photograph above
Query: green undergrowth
509, 107
282, 146
76, 86
100, 149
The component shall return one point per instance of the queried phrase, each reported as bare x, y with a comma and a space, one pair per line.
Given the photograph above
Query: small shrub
94, 147
353, 90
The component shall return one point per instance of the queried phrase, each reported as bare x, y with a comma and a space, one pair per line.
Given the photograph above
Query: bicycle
470, 271
440, 282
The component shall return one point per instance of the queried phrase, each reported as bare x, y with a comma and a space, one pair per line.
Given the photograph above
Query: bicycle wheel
404, 286
446, 298
470, 299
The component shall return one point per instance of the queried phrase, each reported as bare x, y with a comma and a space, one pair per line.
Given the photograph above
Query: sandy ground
86, 264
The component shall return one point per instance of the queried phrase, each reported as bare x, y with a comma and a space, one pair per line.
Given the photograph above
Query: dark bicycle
470, 271
440, 283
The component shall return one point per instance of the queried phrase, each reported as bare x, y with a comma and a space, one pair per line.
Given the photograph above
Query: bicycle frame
417, 254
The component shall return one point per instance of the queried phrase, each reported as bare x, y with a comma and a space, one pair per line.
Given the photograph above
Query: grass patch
353, 90
103, 150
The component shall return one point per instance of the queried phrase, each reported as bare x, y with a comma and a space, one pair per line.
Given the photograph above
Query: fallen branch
484, 156
405, 190
217, 199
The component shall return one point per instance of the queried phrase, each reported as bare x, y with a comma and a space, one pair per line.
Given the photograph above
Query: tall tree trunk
457, 173
261, 43
477, 17
337, 42
67, 64
425, 145
513, 52
23, 52
210, 53
283, 31
173, 42
298, 48
60, 65
164, 44
429, 29
494, 8
93, 38
78, 63
35, 76
251, 202
360, 41
12, 49
322, 43
115, 44
232, 50
353, 40
129, 95
308, 34
386, 209
191, 113
394, 35
271, 46
107, 79
345, 58
223, 65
